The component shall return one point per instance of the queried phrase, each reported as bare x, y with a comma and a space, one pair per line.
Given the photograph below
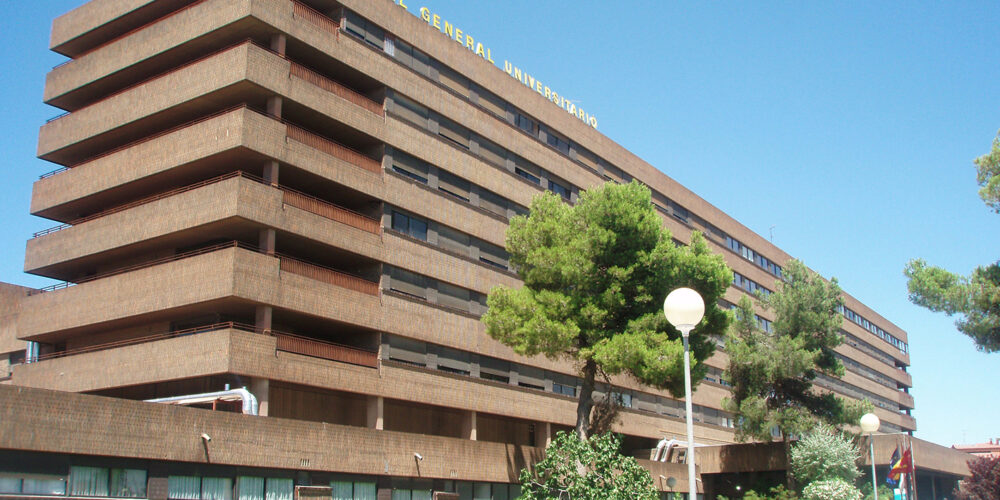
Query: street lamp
684, 308
869, 424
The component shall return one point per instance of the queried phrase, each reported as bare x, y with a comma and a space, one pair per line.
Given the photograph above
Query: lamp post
684, 308
869, 424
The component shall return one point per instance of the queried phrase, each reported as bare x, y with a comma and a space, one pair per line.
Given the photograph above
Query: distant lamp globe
870, 423
684, 308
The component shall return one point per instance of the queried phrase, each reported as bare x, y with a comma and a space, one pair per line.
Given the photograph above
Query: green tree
595, 276
586, 469
772, 373
824, 453
975, 297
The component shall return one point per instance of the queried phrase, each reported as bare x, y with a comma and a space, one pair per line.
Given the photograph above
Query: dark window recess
409, 166
525, 123
364, 29
559, 189
527, 175
409, 225
494, 377
453, 185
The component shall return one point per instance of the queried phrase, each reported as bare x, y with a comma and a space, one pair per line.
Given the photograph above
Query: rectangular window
184, 487
407, 350
128, 483
453, 185
88, 481
531, 377
493, 202
280, 489
410, 110
406, 282
451, 79
524, 123
492, 153
365, 30
452, 360
527, 170
492, 103
453, 132
559, 189
409, 166
453, 296
494, 369
493, 255
557, 141
453, 240
409, 225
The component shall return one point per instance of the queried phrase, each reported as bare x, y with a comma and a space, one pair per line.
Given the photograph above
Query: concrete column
376, 412
262, 318
274, 106
469, 426
266, 240
271, 169
543, 434
261, 388
278, 43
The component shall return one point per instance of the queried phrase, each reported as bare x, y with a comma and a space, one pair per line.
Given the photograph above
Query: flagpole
913, 467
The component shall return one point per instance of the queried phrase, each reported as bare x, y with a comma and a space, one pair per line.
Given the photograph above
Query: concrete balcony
231, 206
100, 21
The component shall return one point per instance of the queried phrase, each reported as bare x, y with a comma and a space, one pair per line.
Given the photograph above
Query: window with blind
453, 240
527, 170
524, 123
613, 173
563, 384
364, 29
493, 255
453, 132
453, 185
104, 482
558, 187
406, 282
452, 360
557, 141
492, 153
453, 296
531, 377
410, 110
353, 490
409, 166
451, 79
493, 202
587, 158
407, 350
494, 369
492, 103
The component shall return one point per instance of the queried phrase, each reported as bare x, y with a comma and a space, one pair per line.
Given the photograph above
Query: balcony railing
285, 342
332, 148
290, 197
314, 17
328, 275
299, 71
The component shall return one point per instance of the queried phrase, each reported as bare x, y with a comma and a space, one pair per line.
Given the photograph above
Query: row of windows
855, 392
425, 173
749, 285
871, 327
224, 488
81, 482
464, 363
867, 348
749, 254
427, 66
867, 372
489, 152
434, 291
449, 239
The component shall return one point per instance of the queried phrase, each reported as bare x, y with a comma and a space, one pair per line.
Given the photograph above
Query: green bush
824, 454
831, 489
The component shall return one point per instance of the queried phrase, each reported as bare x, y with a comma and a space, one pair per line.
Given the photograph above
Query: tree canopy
595, 276
772, 373
975, 297
983, 483
587, 469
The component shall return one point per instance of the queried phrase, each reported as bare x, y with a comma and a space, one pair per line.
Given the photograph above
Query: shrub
831, 489
824, 454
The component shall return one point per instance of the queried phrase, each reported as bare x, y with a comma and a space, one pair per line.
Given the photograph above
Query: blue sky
847, 127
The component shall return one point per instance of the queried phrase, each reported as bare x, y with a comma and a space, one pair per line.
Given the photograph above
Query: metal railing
286, 342
300, 71
327, 275
315, 17
332, 148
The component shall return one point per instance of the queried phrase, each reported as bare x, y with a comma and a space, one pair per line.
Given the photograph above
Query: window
451, 79
32, 484
453, 185
199, 488
524, 123
408, 283
493, 255
453, 132
492, 153
563, 384
259, 488
453, 240
556, 141
407, 351
494, 369
493, 202
409, 225
365, 30
409, 166
531, 377
559, 189
104, 482
527, 170
453, 296
452, 360
410, 110
353, 490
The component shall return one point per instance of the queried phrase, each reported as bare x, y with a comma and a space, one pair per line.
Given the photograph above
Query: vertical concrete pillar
543, 434
375, 412
469, 426
266, 240
271, 169
262, 318
278, 43
274, 106
261, 389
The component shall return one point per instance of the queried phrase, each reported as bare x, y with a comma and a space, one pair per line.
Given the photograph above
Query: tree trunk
586, 402
789, 479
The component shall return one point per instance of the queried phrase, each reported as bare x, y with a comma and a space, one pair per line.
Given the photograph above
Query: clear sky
846, 129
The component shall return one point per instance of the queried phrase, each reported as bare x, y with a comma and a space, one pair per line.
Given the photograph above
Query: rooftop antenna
771, 230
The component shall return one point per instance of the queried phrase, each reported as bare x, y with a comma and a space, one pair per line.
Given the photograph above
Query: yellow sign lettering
425, 14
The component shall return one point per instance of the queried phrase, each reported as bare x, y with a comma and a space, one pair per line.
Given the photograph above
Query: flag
905, 464
893, 479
